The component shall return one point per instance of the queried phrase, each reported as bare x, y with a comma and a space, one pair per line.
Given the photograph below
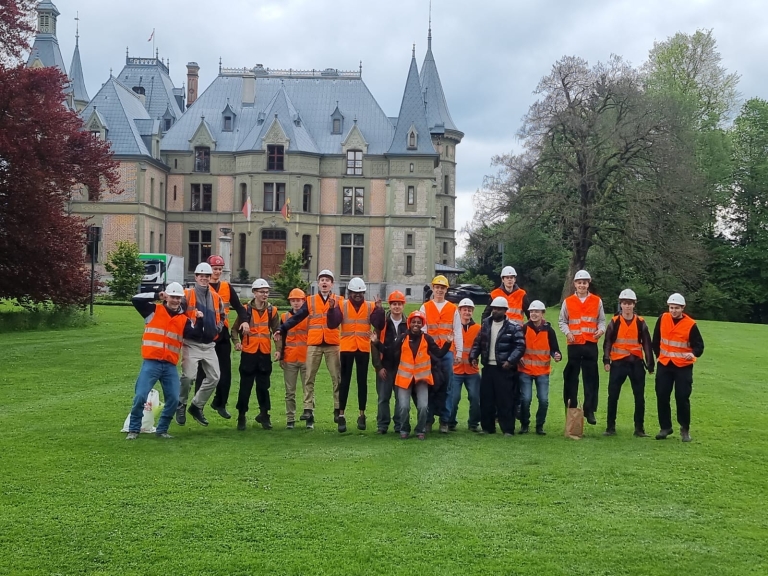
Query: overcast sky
490, 54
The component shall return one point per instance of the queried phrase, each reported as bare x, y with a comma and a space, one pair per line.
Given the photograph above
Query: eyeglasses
262, 292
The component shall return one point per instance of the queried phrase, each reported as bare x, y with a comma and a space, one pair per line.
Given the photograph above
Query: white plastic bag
151, 407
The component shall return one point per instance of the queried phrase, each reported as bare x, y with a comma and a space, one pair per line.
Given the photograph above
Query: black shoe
290, 425
361, 422
181, 414
540, 431
685, 435
640, 433
197, 414
306, 415
241, 423
590, 416
342, 423
663, 433
610, 432
429, 427
508, 434
381, 431
474, 429
263, 419
222, 410
524, 429
452, 428
335, 415
311, 423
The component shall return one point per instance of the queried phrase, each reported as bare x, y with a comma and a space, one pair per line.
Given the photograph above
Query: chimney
249, 88
192, 70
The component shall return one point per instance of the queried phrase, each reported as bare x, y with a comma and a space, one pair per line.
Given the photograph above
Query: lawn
76, 498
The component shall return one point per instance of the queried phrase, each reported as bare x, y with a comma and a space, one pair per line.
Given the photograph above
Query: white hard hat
508, 271
356, 285
467, 302
500, 302
203, 268
537, 305
676, 299
326, 272
582, 275
259, 283
174, 289
627, 294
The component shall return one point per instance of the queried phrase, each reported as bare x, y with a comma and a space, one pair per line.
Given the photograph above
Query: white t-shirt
495, 328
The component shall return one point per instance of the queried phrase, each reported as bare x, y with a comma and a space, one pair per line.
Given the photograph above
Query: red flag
151, 35
286, 210
247, 209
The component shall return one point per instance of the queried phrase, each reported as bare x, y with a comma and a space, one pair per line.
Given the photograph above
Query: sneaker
524, 429
404, 435
181, 414
263, 419
610, 432
540, 431
197, 414
290, 425
241, 423
335, 415
484, 432
421, 436
311, 423
452, 428
131, 435
663, 433
443, 428
640, 433
590, 416
222, 410
164, 435
306, 415
361, 422
342, 423
508, 434
474, 428
685, 435
381, 431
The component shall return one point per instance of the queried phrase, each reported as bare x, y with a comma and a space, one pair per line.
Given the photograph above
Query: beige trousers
291, 374
194, 354
315, 355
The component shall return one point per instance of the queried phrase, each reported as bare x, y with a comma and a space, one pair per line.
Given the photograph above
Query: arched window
307, 200
139, 90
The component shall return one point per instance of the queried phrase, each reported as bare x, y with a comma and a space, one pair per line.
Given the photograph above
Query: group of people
427, 358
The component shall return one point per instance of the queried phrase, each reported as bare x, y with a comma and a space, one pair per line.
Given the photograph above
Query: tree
290, 275
44, 154
126, 269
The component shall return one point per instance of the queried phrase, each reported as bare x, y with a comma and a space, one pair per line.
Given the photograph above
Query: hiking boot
590, 416
540, 431
335, 415
290, 425
640, 433
361, 422
263, 419
164, 435
181, 414
524, 429
443, 428
222, 410
663, 433
421, 436
610, 431
306, 415
404, 435
311, 423
342, 423
197, 414
131, 435
241, 423
685, 435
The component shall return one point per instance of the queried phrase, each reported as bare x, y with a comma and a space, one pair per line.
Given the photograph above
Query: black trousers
347, 360
634, 369
498, 397
671, 377
581, 358
223, 348
254, 367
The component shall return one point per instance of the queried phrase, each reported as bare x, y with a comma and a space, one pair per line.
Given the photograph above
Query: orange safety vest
259, 340
440, 323
225, 292
514, 301
295, 341
674, 340
627, 339
356, 327
192, 309
163, 335
582, 317
410, 368
466, 367
317, 321
536, 359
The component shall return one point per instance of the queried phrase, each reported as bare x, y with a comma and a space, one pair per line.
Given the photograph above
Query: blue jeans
526, 396
151, 372
439, 396
472, 382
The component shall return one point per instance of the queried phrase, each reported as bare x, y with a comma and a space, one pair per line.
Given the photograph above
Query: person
355, 347
255, 359
411, 352
442, 319
540, 348
199, 348
500, 345
294, 363
626, 339
464, 373
164, 328
323, 335
222, 345
394, 326
517, 299
677, 343
582, 320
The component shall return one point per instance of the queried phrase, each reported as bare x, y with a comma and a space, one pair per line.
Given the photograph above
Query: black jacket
510, 343
378, 360
643, 338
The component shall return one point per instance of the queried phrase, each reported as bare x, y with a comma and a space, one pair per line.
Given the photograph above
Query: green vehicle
160, 270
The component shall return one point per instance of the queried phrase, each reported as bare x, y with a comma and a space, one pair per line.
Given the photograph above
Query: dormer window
413, 139
139, 90
227, 123
167, 125
337, 126
337, 121
228, 118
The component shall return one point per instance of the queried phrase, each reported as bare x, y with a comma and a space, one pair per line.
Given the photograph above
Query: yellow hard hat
440, 280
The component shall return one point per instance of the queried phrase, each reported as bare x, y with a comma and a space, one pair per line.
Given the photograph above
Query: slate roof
76, 76
313, 98
125, 116
412, 114
437, 107
46, 48
152, 75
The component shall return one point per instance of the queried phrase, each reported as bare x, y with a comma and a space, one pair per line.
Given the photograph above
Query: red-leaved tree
44, 153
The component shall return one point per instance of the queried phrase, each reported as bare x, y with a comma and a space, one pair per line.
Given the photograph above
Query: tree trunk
578, 260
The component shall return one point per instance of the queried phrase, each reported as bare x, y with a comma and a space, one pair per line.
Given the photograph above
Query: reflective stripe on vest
410, 368
317, 321
514, 302
163, 335
582, 317
440, 322
536, 359
674, 340
259, 339
295, 341
627, 339
465, 367
356, 327
191, 298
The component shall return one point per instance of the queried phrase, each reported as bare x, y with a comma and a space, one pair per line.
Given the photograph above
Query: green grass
76, 498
